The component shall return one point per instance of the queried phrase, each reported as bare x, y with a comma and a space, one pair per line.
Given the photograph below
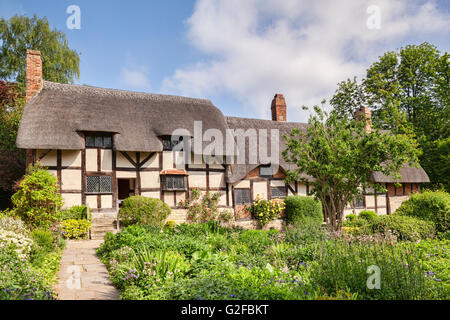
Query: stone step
103, 219
100, 235
102, 228
102, 224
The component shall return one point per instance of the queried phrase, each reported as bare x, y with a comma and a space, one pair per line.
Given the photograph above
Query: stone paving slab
82, 275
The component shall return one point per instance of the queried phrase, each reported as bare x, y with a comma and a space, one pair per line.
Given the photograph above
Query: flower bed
207, 261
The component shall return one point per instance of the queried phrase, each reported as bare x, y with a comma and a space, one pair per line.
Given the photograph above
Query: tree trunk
333, 211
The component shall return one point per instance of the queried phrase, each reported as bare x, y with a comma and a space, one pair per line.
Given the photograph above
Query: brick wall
278, 108
34, 73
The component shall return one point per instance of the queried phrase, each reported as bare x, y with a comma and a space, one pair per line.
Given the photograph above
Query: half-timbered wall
71, 167
143, 168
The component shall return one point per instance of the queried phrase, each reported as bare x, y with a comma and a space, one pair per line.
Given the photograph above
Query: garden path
82, 276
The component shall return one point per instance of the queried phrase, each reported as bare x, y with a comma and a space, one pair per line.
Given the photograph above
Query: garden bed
206, 261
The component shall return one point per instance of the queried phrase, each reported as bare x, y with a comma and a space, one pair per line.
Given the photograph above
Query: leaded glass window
98, 141
242, 196
174, 182
278, 192
98, 184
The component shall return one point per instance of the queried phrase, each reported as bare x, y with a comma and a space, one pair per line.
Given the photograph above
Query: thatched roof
239, 171
53, 118
409, 174
58, 113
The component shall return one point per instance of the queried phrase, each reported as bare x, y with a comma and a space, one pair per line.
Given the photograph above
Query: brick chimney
34, 73
278, 108
365, 115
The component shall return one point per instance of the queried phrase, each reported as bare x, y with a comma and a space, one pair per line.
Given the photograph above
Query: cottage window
359, 202
278, 192
242, 196
98, 141
169, 142
98, 184
173, 182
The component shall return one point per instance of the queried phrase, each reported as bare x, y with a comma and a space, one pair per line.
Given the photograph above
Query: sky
238, 53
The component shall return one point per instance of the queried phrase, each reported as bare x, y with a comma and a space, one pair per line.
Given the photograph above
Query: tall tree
340, 154
59, 64
348, 98
12, 160
408, 92
19, 33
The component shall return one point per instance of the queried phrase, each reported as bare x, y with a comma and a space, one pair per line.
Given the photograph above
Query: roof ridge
87, 89
268, 120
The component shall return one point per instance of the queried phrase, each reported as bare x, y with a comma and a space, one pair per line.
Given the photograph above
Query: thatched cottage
104, 145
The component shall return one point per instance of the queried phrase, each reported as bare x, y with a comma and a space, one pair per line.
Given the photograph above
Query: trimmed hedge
301, 208
429, 205
143, 211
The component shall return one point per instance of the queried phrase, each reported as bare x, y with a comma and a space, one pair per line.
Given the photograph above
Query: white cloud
300, 48
136, 78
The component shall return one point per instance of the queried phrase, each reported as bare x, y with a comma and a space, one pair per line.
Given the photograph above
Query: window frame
100, 177
356, 204
235, 196
164, 182
276, 197
96, 135
265, 167
165, 139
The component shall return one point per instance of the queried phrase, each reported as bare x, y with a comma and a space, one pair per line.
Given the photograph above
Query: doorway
125, 189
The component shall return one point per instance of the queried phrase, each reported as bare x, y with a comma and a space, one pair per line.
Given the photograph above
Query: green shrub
429, 205
38, 201
170, 225
404, 227
299, 208
354, 225
75, 229
144, 211
368, 215
44, 239
75, 212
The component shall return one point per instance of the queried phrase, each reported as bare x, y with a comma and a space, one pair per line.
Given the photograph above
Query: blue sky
237, 53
